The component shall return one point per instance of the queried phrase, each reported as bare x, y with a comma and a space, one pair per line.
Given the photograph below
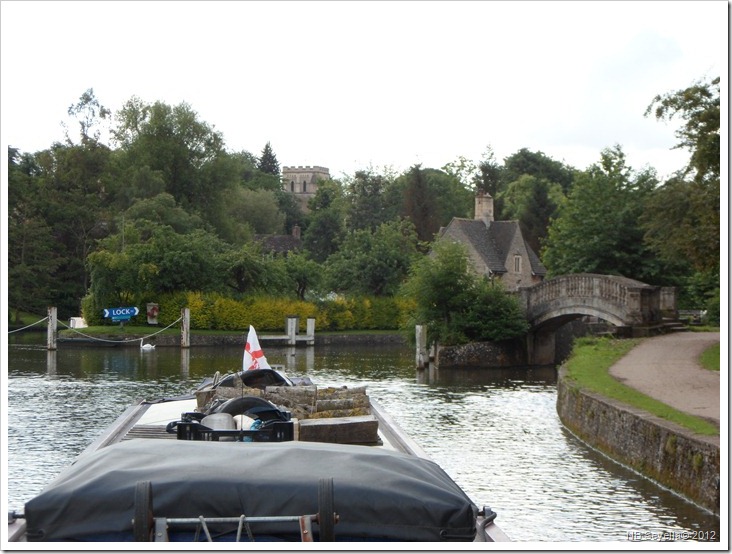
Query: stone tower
302, 181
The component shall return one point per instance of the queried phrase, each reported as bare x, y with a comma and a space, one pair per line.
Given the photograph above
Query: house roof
279, 244
492, 242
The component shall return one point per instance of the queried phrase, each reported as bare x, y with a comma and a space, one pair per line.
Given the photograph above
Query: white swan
146, 346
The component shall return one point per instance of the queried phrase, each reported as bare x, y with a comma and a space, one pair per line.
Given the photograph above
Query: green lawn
710, 358
588, 368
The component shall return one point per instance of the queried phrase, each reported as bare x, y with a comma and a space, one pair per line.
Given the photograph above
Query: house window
517, 264
304, 186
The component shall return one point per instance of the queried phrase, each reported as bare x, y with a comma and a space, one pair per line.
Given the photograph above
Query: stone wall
502, 354
667, 453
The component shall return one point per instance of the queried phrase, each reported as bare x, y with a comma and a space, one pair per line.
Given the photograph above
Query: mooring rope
120, 341
28, 326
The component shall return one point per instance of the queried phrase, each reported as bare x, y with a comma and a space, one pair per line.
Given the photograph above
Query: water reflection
495, 432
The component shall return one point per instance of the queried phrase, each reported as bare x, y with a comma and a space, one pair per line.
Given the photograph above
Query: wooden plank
342, 430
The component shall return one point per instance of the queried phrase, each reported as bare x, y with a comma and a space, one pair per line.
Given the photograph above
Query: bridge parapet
619, 300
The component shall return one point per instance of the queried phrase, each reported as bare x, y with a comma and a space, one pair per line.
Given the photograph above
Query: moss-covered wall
674, 457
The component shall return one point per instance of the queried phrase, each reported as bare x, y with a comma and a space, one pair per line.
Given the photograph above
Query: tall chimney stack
484, 207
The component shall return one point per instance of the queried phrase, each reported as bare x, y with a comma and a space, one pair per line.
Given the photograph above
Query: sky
373, 85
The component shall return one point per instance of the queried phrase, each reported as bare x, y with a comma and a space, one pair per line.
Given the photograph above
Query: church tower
302, 181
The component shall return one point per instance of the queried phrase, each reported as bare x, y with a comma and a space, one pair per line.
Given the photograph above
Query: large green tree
365, 201
374, 262
188, 153
429, 198
598, 229
32, 256
683, 216
325, 228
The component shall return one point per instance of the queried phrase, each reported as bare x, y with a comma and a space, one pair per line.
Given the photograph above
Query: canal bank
665, 368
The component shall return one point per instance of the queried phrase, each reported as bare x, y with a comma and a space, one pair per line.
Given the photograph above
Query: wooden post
51, 333
310, 331
292, 326
421, 339
185, 328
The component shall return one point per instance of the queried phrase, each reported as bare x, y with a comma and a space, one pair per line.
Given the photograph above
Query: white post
310, 331
185, 328
51, 333
292, 327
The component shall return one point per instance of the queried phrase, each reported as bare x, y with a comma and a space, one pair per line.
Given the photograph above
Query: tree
488, 174
268, 161
536, 164
32, 257
325, 227
598, 230
74, 183
374, 263
698, 105
365, 201
185, 150
682, 219
429, 198
533, 201
89, 114
492, 315
455, 304
303, 273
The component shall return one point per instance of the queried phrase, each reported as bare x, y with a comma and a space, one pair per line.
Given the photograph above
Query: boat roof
379, 494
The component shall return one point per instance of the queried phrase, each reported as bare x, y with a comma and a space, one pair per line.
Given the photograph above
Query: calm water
496, 433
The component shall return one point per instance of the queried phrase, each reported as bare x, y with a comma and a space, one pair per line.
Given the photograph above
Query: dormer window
517, 263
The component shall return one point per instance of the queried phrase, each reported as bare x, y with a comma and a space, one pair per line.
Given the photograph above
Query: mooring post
310, 331
51, 333
185, 328
292, 324
421, 339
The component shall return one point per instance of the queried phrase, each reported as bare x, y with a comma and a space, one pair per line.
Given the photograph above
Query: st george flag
253, 355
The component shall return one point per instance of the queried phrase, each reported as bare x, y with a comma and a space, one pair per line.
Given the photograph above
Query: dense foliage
455, 304
165, 209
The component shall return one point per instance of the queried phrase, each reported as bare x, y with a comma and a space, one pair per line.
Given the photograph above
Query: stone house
497, 249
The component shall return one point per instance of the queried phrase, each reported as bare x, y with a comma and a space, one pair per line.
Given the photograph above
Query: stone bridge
632, 306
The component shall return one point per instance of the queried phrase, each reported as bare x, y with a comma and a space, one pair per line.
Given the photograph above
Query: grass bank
710, 358
588, 368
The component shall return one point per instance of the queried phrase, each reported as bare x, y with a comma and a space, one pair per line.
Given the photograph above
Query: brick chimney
296, 231
484, 207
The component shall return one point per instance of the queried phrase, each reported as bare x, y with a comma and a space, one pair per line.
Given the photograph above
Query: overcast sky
351, 85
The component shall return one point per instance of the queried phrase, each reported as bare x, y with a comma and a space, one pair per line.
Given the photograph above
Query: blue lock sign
121, 314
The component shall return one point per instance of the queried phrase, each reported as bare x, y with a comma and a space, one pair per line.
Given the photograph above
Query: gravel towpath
667, 368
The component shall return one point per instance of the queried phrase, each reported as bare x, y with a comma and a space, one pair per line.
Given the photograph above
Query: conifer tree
268, 161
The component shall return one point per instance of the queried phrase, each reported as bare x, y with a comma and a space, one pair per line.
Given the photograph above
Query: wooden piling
51, 329
185, 328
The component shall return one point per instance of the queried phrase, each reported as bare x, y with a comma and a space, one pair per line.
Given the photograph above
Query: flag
253, 355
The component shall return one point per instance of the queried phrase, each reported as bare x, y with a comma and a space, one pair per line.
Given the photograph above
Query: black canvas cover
379, 494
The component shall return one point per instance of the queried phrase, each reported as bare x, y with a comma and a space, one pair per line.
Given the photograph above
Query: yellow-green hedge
214, 311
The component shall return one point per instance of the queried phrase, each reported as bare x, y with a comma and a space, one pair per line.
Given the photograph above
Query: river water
495, 432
